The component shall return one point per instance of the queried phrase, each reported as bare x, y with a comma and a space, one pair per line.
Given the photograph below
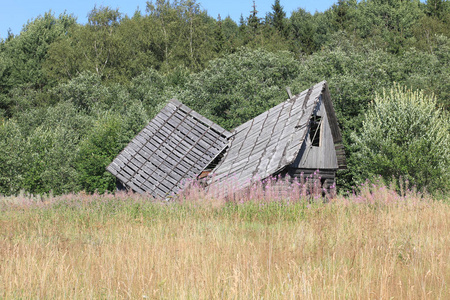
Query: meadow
378, 243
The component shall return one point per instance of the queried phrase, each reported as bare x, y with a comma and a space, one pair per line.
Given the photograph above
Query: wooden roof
176, 145
266, 144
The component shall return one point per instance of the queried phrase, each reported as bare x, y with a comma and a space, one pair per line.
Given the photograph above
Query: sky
16, 13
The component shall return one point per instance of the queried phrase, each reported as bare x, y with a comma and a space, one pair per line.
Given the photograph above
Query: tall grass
374, 244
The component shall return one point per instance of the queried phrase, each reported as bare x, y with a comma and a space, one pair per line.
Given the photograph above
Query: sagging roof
179, 144
176, 145
268, 143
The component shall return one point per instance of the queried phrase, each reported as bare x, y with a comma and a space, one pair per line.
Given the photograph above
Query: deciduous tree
404, 134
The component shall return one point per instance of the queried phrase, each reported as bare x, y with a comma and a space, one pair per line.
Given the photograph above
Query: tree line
73, 95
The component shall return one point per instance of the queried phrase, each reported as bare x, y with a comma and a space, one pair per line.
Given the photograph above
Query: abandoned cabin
295, 138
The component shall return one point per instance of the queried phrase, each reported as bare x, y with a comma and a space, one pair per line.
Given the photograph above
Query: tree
231, 32
218, 36
240, 86
303, 31
95, 47
427, 31
405, 135
38, 148
341, 15
386, 23
108, 136
182, 33
100, 44
85, 91
277, 17
149, 89
22, 56
11, 162
435, 8
253, 20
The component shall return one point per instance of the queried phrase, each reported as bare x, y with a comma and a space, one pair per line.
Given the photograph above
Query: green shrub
240, 86
110, 134
404, 134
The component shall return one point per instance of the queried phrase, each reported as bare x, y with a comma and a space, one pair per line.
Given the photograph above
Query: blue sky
15, 13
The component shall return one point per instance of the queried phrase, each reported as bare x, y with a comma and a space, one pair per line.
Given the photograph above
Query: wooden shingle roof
266, 144
178, 144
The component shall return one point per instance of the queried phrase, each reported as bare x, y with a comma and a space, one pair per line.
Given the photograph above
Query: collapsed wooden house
296, 137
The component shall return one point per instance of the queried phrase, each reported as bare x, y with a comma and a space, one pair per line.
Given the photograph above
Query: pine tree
219, 37
253, 20
435, 8
340, 14
277, 16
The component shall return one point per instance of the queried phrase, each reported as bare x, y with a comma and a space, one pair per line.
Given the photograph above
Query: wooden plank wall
334, 126
322, 156
327, 177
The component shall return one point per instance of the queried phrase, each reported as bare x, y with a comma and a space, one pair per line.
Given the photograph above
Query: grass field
374, 245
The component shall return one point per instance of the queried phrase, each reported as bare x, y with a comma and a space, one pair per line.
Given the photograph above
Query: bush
109, 135
240, 86
404, 134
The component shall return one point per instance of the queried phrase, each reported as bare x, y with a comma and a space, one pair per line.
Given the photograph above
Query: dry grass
102, 247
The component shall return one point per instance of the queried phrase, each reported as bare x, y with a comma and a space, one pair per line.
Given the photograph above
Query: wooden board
260, 145
176, 145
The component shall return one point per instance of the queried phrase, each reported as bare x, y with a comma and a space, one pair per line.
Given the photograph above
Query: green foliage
48, 161
253, 21
436, 8
91, 96
428, 32
38, 150
388, 24
95, 47
182, 32
305, 32
278, 17
235, 89
11, 150
152, 90
355, 73
231, 33
22, 57
65, 88
342, 14
22, 98
96, 152
219, 37
84, 91
405, 135
108, 136
66, 147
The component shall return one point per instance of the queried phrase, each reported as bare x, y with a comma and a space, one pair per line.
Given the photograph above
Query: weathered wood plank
149, 130
135, 188
121, 178
121, 161
248, 136
140, 159
214, 126
127, 172
168, 148
192, 139
162, 162
113, 167
118, 162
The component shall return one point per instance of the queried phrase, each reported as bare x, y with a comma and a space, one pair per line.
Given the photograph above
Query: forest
73, 95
